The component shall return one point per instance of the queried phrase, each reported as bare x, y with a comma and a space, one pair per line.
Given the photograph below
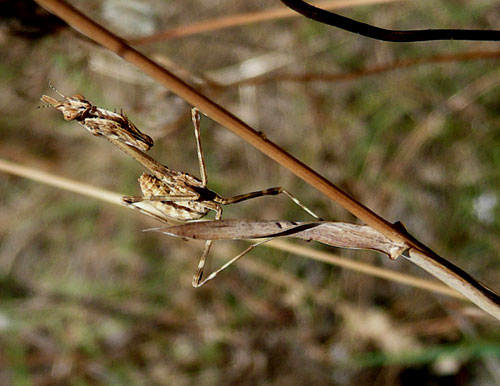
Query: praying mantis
172, 194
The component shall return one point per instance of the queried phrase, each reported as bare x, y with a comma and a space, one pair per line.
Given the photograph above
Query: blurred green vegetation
87, 298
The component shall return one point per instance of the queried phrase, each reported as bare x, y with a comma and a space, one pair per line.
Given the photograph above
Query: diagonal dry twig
368, 269
419, 253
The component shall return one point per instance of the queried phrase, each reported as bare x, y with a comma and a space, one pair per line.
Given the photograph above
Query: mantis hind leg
197, 279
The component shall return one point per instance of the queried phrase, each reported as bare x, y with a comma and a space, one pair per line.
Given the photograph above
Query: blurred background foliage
87, 298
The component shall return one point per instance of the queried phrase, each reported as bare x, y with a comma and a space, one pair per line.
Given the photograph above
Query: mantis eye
69, 113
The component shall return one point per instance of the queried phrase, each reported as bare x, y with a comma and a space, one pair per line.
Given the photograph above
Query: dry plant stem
243, 19
60, 182
367, 269
480, 295
455, 278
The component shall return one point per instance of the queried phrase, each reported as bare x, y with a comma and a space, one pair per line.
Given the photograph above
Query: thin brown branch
352, 75
243, 19
473, 290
